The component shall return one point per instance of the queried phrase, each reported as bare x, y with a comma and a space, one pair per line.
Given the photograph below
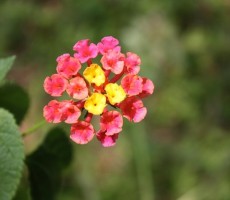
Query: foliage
46, 164
11, 157
9, 93
5, 65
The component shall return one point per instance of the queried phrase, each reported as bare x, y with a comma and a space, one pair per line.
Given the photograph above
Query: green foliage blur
182, 149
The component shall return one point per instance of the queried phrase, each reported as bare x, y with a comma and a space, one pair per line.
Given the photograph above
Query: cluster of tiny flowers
97, 91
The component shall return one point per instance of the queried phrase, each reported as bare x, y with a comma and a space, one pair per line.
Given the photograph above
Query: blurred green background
182, 148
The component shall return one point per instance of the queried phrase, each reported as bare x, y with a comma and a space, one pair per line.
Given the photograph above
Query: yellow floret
94, 74
95, 104
115, 93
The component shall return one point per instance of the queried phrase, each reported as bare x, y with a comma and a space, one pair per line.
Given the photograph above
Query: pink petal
77, 88
147, 88
118, 67
132, 84
133, 109
55, 85
111, 122
81, 132
80, 44
93, 50
63, 57
140, 114
113, 61
85, 51
108, 43
132, 63
70, 112
68, 66
52, 112
106, 140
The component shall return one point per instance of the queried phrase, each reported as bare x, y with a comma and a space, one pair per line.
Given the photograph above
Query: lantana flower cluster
111, 89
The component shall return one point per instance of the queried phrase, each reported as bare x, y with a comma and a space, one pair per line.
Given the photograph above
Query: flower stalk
34, 128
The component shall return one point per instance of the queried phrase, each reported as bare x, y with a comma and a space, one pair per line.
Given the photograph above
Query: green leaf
23, 191
46, 164
5, 66
11, 155
15, 99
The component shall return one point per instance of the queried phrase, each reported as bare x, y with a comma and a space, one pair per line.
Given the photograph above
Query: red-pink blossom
77, 88
132, 84
106, 140
147, 88
133, 109
85, 51
55, 85
70, 112
111, 122
132, 63
68, 66
114, 61
82, 132
99, 86
108, 43
52, 112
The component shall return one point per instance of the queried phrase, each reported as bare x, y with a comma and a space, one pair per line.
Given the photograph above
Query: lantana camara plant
97, 91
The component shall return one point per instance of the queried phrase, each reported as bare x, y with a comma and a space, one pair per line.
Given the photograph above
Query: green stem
33, 128
142, 159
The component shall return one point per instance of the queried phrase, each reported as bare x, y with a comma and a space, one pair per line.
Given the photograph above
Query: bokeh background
182, 148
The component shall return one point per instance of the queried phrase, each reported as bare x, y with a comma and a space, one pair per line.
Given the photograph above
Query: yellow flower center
95, 104
115, 93
94, 74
